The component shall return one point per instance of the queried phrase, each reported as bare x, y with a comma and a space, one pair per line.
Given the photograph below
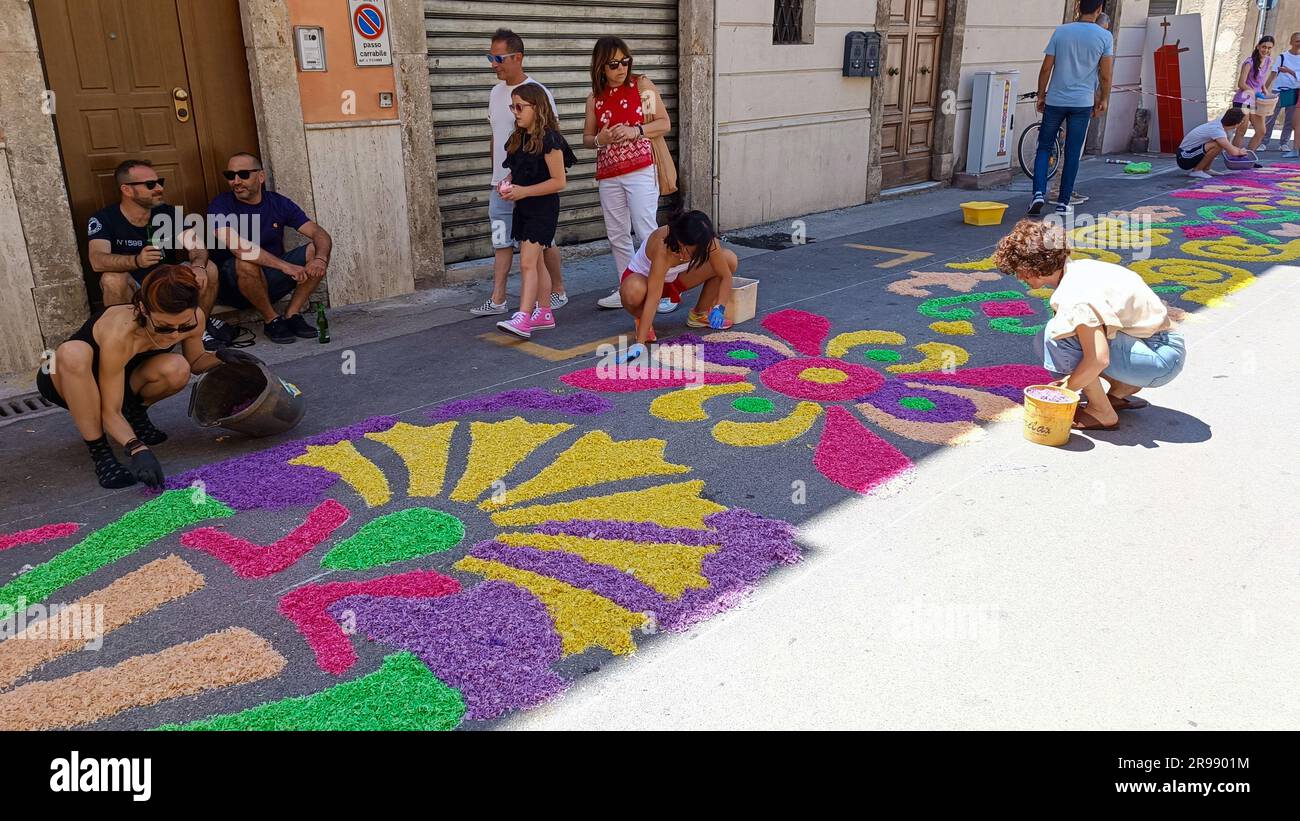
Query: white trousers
630, 202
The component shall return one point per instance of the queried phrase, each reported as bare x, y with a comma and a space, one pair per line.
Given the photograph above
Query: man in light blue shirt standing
1078, 64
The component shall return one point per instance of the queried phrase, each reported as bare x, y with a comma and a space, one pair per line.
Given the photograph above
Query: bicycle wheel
1027, 151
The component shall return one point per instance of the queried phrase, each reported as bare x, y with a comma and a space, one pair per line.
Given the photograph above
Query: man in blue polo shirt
256, 272
1078, 63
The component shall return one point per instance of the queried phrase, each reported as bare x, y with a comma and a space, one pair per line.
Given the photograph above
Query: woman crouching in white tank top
676, 258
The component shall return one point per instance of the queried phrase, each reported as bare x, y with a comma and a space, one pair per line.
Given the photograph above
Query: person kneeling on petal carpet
1107, 323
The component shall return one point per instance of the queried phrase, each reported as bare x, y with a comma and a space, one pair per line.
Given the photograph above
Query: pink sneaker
520, 325
543, 319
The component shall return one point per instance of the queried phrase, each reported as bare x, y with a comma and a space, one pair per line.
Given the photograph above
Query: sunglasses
518, 108
613, 65
243, 175
498, 59
150, 184
177, 329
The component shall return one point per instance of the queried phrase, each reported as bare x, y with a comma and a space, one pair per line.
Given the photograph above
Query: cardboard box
744, 300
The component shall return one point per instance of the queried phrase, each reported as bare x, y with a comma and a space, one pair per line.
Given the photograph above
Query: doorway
161, 80
911, 90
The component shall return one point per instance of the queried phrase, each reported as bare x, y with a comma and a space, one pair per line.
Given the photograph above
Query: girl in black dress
536, 155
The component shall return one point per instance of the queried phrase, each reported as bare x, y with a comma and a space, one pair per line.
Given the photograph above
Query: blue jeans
1076, 128
1142, 363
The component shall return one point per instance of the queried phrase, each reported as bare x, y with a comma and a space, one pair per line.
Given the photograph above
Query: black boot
138, 416
108, 470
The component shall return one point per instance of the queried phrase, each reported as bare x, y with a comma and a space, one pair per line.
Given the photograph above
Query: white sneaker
558, 301
1213, 173
1287, 146
1291, 155
1199, 175
614, 300
489, 308
666, 306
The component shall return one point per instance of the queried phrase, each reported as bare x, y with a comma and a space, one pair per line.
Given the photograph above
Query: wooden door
911, 75
161, 80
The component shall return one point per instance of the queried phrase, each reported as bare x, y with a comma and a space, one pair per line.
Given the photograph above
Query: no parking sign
370, 32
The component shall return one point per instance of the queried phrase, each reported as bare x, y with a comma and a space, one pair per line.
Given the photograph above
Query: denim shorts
278, 284
1142, 363
501, 215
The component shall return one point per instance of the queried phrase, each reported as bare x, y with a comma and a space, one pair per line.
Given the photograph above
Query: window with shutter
792, 22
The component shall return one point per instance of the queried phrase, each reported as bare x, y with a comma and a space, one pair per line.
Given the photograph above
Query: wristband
133, 442
641, 128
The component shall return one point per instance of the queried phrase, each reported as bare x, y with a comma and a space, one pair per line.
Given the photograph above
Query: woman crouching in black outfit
120, 362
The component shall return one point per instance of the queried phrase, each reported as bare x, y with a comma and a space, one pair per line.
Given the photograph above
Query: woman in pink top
624, 112
1255, 93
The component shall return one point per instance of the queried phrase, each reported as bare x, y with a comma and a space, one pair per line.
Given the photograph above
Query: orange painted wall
322, 91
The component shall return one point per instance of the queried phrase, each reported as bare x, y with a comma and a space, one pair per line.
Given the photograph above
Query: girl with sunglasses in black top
121, 361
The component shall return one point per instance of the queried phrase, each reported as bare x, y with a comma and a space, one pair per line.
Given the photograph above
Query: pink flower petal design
997, 376
1015, 307
307, 607
254, 561
853, 456
804, 331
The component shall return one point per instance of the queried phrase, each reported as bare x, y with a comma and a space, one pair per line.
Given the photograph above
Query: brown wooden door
117, 68
911, 77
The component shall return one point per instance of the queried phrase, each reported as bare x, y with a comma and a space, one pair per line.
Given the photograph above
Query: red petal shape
852, 455
804, 331
997, 376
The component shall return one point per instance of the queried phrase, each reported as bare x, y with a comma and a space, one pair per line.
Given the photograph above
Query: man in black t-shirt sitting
130, 238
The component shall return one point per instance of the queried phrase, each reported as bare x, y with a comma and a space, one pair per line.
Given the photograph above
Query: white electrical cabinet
989, 144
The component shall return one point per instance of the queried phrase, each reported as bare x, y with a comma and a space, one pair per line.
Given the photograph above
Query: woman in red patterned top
624, 112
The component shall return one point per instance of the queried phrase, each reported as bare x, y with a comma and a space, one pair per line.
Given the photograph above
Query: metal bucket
247, 399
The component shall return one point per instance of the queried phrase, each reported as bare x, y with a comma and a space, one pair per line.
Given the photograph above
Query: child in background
536, 155
1255, 93
1202, 144
674, 259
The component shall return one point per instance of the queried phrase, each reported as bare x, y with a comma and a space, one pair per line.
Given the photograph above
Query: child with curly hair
1107, 323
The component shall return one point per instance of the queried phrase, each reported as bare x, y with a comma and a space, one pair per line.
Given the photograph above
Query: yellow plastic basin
983, 213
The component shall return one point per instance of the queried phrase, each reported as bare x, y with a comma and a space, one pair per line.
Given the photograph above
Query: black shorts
45, 384
278, 284
536, 220
1187, 160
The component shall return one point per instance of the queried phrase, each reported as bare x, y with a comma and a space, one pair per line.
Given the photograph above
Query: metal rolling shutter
558, 38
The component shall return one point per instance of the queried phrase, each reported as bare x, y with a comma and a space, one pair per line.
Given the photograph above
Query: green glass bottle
322, 324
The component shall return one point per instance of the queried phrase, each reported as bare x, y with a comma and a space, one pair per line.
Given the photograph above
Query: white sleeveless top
640, 264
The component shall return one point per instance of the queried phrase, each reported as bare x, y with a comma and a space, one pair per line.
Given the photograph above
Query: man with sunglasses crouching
248, 223
132, 237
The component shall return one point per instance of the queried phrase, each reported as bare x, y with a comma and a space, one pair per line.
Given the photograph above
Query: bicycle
1027, 148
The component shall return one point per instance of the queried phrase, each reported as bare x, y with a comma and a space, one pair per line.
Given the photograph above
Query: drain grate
27, 406
768, 242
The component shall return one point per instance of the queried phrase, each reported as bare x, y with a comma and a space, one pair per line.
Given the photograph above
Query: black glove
234, 356
146, 469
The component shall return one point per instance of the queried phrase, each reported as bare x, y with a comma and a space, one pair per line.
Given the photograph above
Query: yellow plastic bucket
1048, 420
983, 213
